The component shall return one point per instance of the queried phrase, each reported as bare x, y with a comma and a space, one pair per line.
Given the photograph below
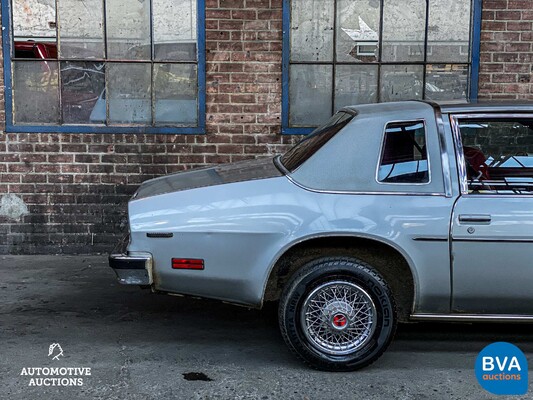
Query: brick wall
506, 50
76, 185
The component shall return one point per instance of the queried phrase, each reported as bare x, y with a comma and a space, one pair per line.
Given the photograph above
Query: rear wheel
337, 314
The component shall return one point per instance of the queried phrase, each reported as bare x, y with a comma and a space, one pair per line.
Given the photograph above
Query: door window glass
498, 155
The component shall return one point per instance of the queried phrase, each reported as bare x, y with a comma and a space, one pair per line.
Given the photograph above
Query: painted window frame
10, 127
473, 83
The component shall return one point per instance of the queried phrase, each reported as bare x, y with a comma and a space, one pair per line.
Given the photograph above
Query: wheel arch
387, 258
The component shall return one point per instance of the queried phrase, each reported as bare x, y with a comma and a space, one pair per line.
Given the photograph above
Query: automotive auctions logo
56, 376
501, 368
59, 351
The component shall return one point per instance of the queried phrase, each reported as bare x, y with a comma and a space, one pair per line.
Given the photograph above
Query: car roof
447, 106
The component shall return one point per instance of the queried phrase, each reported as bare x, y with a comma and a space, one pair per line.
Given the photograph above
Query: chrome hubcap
338, 317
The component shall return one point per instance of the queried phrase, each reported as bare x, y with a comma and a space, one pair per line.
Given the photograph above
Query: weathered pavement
138, 345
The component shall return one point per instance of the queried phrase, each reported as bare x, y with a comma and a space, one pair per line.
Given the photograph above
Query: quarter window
498, 155
115, 63
404, 154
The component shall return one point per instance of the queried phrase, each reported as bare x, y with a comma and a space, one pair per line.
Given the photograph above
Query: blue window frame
342, 52
70, 79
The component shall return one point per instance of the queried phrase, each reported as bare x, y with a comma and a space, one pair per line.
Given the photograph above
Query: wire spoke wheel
338, 317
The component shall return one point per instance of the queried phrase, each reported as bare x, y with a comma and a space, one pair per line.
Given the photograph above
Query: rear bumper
131, 269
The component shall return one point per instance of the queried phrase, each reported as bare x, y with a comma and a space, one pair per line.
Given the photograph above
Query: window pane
404, 23
404, 155
35, 92
176, 92
401, 82
498, 155
81, 28
446, 82
357, 30
310, 91
82, 92
355, 84
129, 93
312, 30
34, 29
34, 19
128, 29
174, 30
449, 31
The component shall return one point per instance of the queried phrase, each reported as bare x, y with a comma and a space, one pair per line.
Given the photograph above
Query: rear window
302, 151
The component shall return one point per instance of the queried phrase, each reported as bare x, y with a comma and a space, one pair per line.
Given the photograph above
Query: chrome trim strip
291, 179
459, 154
349, 110
382, 149
444, 156
472, 317
431, 239
280, 166
441, 131
492, 240
497, 195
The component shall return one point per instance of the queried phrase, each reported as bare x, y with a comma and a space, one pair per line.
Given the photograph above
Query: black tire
307, 290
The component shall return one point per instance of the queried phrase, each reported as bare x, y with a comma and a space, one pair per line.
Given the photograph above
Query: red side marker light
187, 263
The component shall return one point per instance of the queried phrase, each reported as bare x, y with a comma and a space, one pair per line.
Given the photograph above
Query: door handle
475, 219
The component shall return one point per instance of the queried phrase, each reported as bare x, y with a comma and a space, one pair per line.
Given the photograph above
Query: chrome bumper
131, 269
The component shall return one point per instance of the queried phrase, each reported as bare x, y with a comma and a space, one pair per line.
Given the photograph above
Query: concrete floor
138, 345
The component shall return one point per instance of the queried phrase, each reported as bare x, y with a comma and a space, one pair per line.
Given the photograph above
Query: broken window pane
355, 84
34, 29
404, 24
82, 92
449, 31
34, 19
35, 92
81, 28
310, 94
357, 30
175, 94
129, 93
312, 30
446, 82
401, 82
128, 29
174, 30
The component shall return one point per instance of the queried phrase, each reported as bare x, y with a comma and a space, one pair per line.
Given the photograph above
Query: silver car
390, 212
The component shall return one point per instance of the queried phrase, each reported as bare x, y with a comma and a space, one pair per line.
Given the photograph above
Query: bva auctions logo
59, 352
501, 368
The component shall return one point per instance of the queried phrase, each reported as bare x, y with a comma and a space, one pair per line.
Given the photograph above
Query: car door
492, 222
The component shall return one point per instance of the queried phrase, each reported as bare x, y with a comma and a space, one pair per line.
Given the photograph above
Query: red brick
494, 26
520, 4
507, 16
519, 26
231, 3
494, 4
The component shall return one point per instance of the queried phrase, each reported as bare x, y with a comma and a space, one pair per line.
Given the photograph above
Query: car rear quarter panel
241, 229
